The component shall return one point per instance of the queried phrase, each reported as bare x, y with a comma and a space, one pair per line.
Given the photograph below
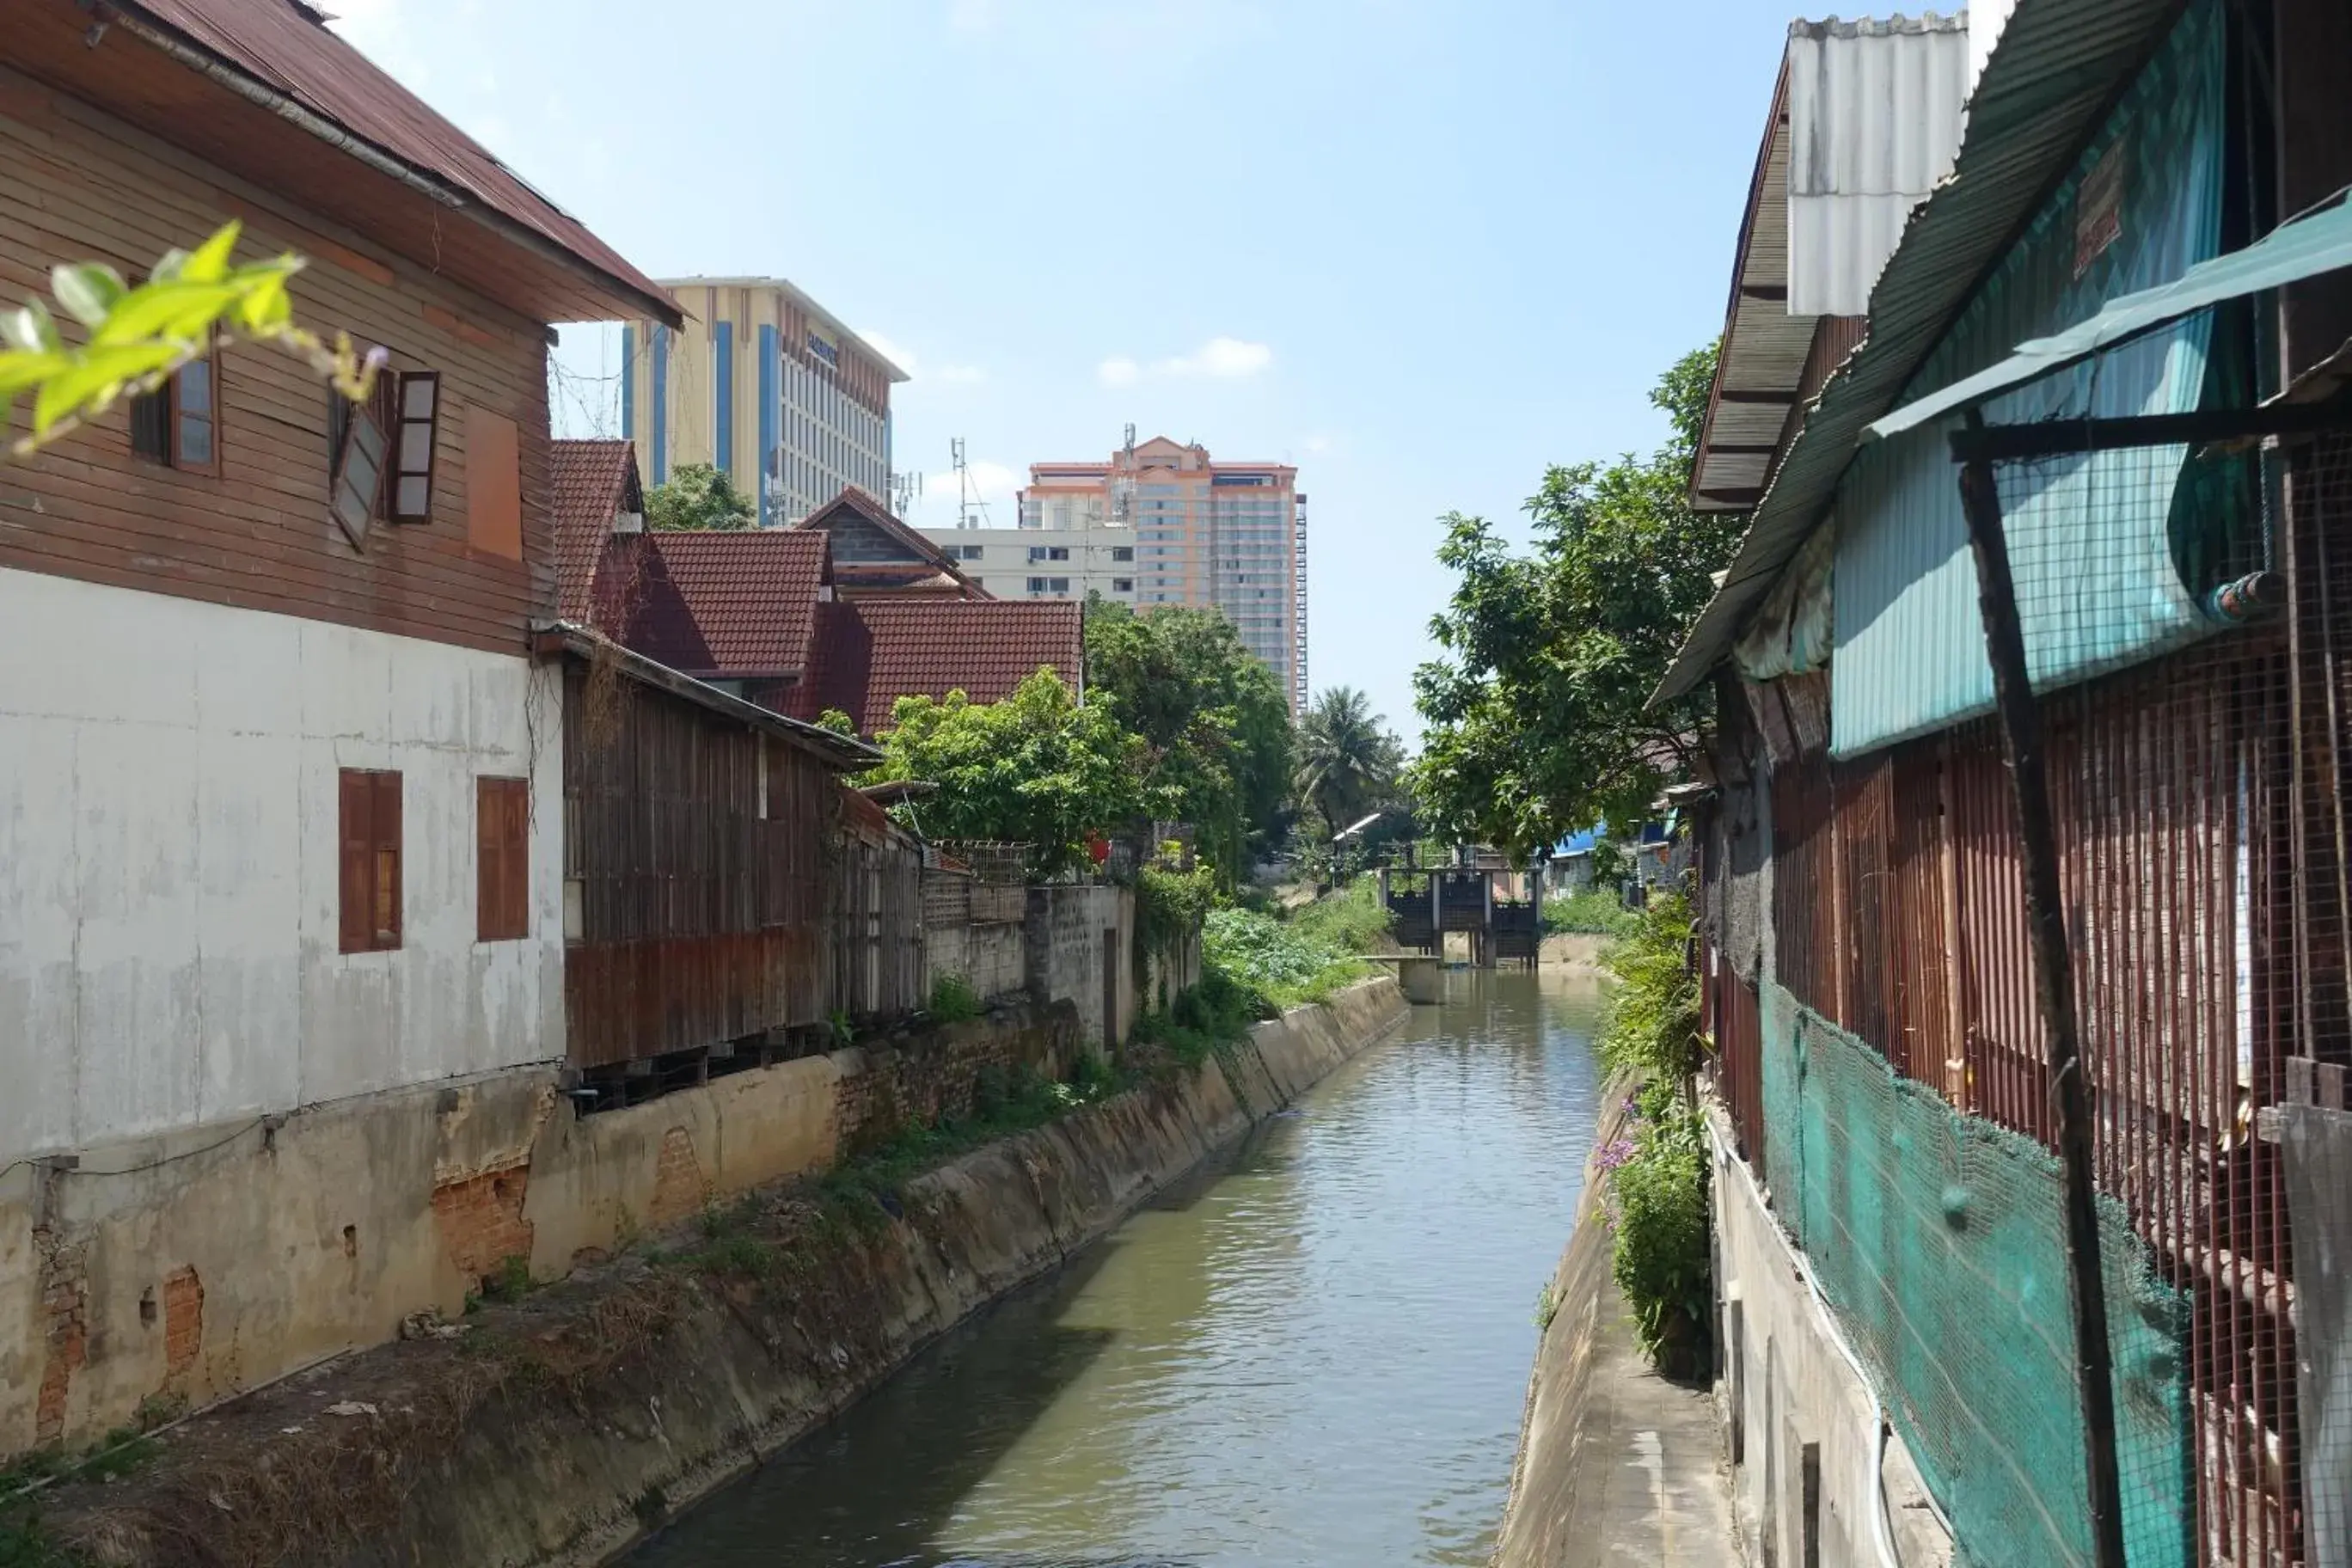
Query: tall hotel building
764, 384
1160, 523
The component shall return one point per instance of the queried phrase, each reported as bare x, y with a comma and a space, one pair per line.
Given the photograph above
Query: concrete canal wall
557, 1429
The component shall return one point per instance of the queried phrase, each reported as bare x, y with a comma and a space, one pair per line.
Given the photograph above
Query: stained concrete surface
1617, 1464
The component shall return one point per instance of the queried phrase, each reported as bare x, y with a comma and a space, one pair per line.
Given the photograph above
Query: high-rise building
1160, 523
765, 384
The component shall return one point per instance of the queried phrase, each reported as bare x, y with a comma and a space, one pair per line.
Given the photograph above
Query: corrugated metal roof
1874, 123
288, 48
2058, 65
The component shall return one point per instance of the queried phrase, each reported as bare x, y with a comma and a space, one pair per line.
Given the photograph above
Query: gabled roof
588, 482
264, 88
727, 605
871, 652
923, 560
2059, 67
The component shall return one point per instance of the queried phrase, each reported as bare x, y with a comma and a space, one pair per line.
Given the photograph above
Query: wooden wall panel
84, 187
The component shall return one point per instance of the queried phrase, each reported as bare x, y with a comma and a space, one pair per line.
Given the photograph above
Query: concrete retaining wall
670, 1382
1793, 1405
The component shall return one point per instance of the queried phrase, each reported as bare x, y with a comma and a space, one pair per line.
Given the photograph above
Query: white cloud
1225, 357
903, 358
1318, 443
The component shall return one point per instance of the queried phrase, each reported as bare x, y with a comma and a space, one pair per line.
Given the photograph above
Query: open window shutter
489, 871
517, 864
387, 825
359, 473
355, 817
413, 447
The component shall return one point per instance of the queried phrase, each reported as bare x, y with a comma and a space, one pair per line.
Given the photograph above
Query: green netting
1940, 1240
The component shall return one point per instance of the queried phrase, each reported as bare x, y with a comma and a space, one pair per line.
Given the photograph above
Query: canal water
1314, 1354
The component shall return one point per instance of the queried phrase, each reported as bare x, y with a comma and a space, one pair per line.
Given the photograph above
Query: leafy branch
133, 339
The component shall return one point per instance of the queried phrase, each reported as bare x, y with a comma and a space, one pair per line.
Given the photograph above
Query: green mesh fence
1940, 1240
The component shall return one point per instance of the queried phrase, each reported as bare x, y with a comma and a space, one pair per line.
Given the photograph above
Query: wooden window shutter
412, 446
355, 816
386, 826
502, 859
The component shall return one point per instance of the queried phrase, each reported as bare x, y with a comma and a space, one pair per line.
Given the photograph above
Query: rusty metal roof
280, 55
2060, 65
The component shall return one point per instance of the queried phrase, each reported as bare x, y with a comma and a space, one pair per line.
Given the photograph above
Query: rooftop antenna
972, 511
906, 490
1122, 485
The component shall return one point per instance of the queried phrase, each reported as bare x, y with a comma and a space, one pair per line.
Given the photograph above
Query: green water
1314, 1354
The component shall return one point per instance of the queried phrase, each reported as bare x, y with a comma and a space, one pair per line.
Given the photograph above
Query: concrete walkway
1617, 1465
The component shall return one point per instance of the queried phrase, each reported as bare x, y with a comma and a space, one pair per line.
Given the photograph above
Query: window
178, 423
355, 482
1036, 585
1036, 552
369, 820
1057, 552
966, 551
1122, 553
1057, 584
503, 859
1122, 584
412, 446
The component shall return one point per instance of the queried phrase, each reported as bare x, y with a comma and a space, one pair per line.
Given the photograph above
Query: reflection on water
1315, 1354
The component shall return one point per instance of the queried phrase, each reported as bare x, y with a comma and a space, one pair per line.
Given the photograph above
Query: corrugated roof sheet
1874, 123
287, 47
871, 652
588, 483
2057, 66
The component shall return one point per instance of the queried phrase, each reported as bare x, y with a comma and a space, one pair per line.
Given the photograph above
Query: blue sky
1419, 249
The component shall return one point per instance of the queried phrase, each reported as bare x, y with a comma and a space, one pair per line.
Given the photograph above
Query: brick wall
916, 1077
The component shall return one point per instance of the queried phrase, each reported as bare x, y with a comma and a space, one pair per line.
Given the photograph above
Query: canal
1312, 1353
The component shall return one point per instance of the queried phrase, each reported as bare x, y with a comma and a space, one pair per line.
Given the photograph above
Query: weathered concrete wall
1081, 942
1792, 1402
168, 823
219, 1259
712, 1374
1615, 1464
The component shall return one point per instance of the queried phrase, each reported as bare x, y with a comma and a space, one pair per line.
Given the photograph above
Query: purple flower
1615, 1152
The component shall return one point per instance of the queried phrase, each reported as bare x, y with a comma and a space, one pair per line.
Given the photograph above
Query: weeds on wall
1658, 1173
953, 1001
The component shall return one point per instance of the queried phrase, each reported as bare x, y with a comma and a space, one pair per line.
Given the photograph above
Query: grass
1593, 911
953, 1000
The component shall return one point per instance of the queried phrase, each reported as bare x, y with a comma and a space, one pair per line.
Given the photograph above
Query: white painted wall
169, 865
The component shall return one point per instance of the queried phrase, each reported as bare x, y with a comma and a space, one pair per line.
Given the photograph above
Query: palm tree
1346, 761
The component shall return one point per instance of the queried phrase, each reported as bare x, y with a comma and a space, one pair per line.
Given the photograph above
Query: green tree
698, 497
1537, 722
1035, 769
1348, 763
1214, 720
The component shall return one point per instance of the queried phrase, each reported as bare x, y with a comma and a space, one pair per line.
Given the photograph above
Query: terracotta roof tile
871, 652
588, 482
728, 605
929, 559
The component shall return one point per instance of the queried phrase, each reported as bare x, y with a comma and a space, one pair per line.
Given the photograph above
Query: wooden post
2020, 729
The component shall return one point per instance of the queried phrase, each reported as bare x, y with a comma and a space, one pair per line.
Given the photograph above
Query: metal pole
2020, 729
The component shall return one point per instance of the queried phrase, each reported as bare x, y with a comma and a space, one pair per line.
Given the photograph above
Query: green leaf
89, 384
88, 290
209, 263
21, 370
31, 330
182, 311
265, 307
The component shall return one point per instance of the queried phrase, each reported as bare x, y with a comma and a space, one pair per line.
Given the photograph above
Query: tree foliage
698, 497
1035, 768
130, 339
1214, 723
1536, 709
1347, 761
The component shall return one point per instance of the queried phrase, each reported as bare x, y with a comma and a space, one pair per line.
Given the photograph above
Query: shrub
1353, 919
1661, 1262
1593, 911
1652, 1024
1282, 963
954, 1000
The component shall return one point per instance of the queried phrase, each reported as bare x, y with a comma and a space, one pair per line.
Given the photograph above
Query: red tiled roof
588, 482
728, 605
871, 652
286, 45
